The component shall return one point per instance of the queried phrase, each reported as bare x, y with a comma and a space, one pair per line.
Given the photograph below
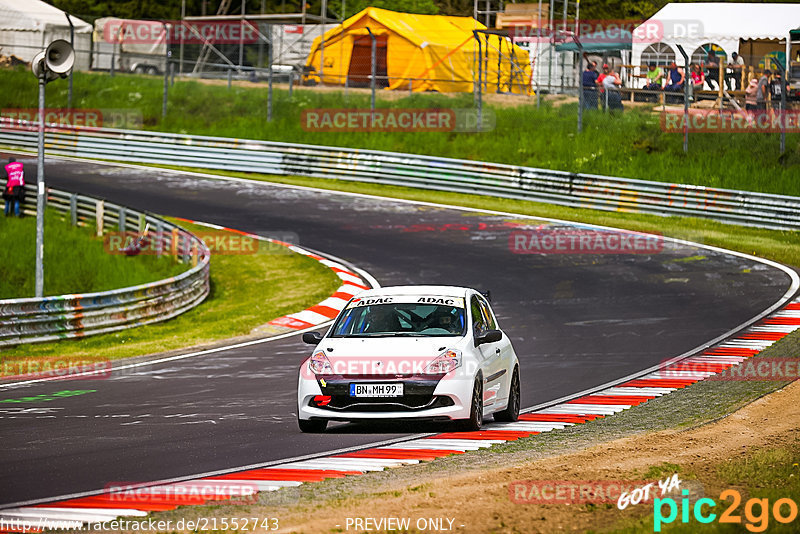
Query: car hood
388, 355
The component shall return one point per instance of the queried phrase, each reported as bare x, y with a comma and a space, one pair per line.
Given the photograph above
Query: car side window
478, 319
488, 317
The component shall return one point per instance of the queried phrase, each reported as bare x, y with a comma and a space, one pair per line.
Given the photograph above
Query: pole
40, 194
480, 79
685, 100
580, 87
166, 70
241, 37
72, 44
784, 80
183, 28
551, 44
324, 10
269, 75
373, 58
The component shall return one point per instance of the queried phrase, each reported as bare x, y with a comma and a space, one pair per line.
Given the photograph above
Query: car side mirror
312, 338
490, 336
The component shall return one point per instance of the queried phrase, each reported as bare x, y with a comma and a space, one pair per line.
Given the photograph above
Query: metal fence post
686, 84
72, 44
229, 78
373, 59
73, 209
166, 70
99, 217
159, 237
480, 79
269, 74
121, 219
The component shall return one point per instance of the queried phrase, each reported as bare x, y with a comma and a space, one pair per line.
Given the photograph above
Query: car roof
445, 291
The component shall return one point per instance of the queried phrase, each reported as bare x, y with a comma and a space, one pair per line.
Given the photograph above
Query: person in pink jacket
14, 192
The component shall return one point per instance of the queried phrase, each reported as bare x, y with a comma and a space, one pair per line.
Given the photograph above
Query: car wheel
475, 420
511, 413
312, 426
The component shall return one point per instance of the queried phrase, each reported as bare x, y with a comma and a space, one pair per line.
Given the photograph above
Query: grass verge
75, 261
246, 291
628, 145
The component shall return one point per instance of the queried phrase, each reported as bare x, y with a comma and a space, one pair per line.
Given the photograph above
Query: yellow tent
429, 52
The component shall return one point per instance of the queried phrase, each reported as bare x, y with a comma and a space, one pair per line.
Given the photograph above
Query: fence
424, 172
31, 320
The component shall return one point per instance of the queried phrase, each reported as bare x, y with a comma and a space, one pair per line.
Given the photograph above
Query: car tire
312, 426
475, 421
511, 412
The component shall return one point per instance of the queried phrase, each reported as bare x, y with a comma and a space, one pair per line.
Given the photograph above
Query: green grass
74, 260
629, 145
246, 291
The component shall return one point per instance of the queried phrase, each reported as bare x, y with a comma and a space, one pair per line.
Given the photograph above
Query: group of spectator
706, 73
602, 87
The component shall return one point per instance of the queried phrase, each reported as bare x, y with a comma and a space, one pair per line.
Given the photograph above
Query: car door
491, 362
504, 354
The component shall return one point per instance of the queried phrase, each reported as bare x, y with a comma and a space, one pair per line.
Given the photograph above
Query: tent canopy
722, 23
35, 15
425, 52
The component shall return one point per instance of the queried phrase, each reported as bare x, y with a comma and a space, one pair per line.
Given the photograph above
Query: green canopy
593, 47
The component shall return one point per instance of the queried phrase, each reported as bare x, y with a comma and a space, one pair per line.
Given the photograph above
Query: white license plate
376, 390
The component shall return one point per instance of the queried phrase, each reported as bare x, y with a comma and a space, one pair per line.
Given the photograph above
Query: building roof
727, 19
35, 15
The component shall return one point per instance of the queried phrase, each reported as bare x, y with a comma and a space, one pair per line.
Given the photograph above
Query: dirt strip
479, 501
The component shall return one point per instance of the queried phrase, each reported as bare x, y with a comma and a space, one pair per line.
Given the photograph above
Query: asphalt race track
576, 321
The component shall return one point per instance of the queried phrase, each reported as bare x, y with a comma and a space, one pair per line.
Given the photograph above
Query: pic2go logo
756, 521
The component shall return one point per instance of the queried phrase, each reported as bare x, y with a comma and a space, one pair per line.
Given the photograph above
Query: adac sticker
440, 300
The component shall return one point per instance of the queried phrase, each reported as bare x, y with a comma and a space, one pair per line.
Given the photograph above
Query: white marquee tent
724, 24
28, 26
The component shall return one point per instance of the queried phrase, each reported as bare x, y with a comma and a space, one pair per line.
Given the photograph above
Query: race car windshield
401, 319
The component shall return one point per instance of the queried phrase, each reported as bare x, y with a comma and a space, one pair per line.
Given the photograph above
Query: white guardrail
425, 172
31, 320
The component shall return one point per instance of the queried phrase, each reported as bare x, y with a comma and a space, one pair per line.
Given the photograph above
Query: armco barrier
31, 320
426, 172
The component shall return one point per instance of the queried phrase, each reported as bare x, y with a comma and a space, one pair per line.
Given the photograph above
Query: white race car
410, 352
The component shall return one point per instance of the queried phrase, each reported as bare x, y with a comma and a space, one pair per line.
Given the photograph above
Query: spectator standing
762, 90
14, 192
775, 89
713, 70
736, 67
611, 83
589, 85
750, 102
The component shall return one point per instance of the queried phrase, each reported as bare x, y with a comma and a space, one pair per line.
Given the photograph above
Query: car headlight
444, 363
319, 364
